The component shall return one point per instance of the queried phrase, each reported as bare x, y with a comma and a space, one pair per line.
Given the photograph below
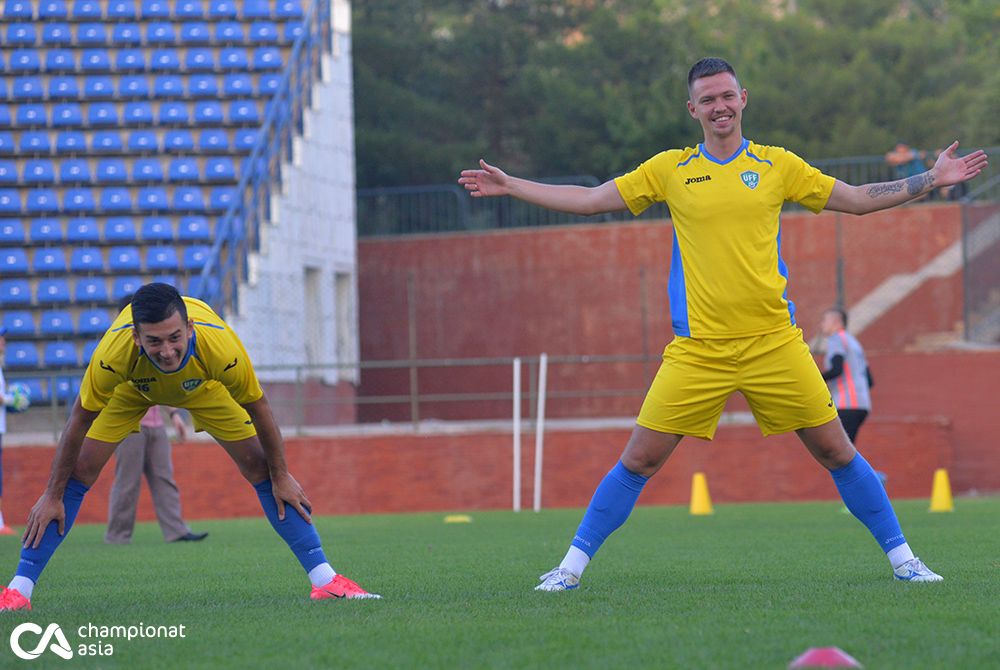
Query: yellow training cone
941, 493
701, 502
458, 518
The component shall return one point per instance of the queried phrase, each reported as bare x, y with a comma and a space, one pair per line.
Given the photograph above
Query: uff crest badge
191, 384
750, 179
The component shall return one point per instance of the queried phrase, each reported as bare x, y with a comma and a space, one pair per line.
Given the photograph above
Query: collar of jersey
187, 356
704, 151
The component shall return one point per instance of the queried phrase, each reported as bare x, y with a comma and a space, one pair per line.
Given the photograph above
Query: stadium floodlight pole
543, 366
517, 435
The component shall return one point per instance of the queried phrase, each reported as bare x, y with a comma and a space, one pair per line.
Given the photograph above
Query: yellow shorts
212, 409
775, 372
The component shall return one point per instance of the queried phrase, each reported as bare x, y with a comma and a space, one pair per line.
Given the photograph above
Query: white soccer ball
20, 397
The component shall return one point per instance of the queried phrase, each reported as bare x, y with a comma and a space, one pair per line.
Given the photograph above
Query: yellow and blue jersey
215, 356
727, 277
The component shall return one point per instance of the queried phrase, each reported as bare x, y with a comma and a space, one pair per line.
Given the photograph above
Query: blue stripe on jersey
127, 325
210, 325
187, 355
691, 157
783, 270
678, 293
759, 160
743, 145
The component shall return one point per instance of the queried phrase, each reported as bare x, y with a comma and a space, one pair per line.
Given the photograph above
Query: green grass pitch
750, 587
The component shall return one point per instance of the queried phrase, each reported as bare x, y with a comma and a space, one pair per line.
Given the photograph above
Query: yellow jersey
215, 356
727, 277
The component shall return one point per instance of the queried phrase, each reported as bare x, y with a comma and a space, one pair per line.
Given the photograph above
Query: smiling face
717, 102
165, 342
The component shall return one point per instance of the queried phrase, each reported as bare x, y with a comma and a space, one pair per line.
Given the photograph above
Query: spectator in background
907, 162
846, 372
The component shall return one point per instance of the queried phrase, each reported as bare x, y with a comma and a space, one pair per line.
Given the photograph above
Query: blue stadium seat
160, 33
119, 229
237, 84
116, 200
8, 173
56, 34
130, 60
74, 171
165, 60
49, 260
53, 291
95, 60
21, 34
155, 9
194, 229
21, 355
126, 35
202, 86
111, 171
208, 113
46, 231
106, 141
38, 388
142, 141
195, 257
55, 322
153, 199
138, 113
13, 261
98, 87
288, 9
102, 114
61, 88
178, 141
15, 292
71, 142
133, 86
66, 389
263, 32
188, 198
67, 114
124, 286
292, 30
87, 9
86, 259
53, 9
173, 113
10, 201
20, 323
16, 10
122, 9
256, 9
269, 84
90, 289
147, 170
222, 9
88, 351
31, 116
213, 140
195, 33
93, 322
157, 229
39, 171
78, 200
3, 84
182, 170
91, 34
41, 201
6, 143
220, 169
168, 279
124, 259
24, 60
168, 86
60, 355
229, 32
233, 58
244, 112
11, 232
199, 60
82, 231
266, 58
27, 88
161, 259
189, 9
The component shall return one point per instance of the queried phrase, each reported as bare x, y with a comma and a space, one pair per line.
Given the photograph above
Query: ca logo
60, 646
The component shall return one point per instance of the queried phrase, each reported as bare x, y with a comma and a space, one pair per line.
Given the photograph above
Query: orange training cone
701, 502
941, 492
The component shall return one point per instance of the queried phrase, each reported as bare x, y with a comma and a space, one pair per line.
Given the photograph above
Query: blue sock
865, 496
33, 561
300, 535
609, 508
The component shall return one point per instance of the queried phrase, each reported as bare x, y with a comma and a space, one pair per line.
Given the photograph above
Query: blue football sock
865, 496
33, 561
609, 508
300, 535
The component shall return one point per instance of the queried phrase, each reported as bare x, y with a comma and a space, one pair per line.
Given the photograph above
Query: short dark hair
156, 302
707, 67
841, 312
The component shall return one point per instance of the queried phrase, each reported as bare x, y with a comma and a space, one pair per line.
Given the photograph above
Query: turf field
750, 587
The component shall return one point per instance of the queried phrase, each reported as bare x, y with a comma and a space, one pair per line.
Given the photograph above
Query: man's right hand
48, 508
488, 181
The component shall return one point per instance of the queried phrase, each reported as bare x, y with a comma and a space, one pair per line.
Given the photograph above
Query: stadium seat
263, 32
10, 201
63, 88
165, 60
46, 231
15, 292
8, 173
160, 33
142, 141
3, 84
129, 60
157, 229
31, 116
138, 113
55, 323
107, 141
161, 259
56, 34
124, 286
74, 171
229, 32
38, 388
21, 34
39, 171
60, 355
237, 84
49, 260
133, 86
222, 9
168, 279
24, 60
71, 142
199, 60
292, 30
195, 257
78, 200
173, 113
256, 9
98, 87
21, 355
6, 143
232, 58
153, 199
269, 84
53, 291
243, 112
202, 86
119, 229
188, 198
194, 229
155, 9
19, 323
189, 9
90, 289
95, 60
17, 10
122, 9
13, 261
220, 169
126, 35
67, 114
208, 113
195, 33
102, 114
213, 140
111, 171
168, 86
86, 259
88, 351
53, 9
288, 9
178, 141
42, 201
93, 322
91, 34
147, 170
87, 9
182, 170
27, 88
116, 200
82, 231
11, 232
66, 389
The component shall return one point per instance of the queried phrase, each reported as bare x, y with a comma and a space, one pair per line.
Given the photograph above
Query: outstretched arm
584, 200
949, 169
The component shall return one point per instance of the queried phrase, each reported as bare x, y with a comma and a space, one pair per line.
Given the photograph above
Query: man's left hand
287, 490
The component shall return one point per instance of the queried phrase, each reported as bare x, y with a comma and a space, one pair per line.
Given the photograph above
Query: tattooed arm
949, 169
